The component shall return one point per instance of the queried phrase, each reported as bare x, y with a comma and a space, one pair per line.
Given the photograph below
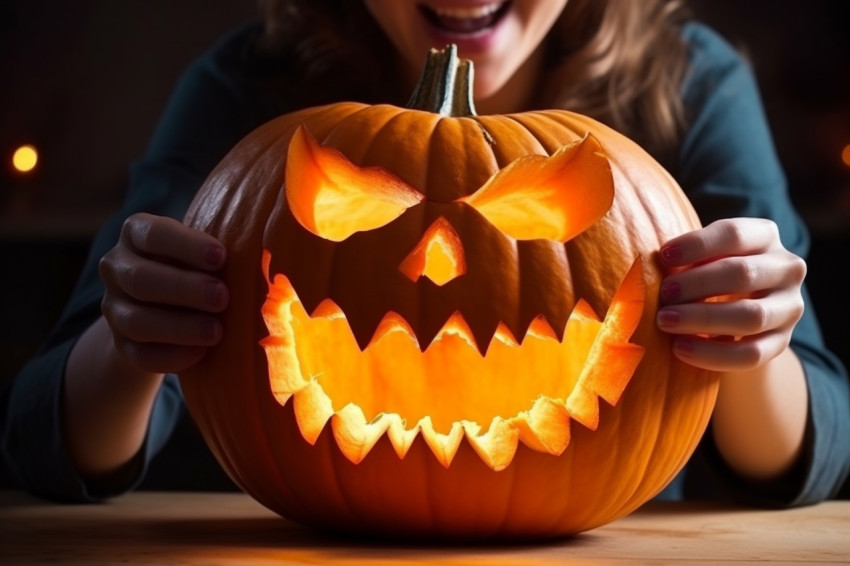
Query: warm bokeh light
845, 155
25, 158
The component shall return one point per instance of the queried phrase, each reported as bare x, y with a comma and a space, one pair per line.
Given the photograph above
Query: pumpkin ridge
533, 261
425, 167
517, 119
336, 278
473, 148
376, 117
372, 155
637, 495
340, 491
425, 157
503, 528
239, 210
541, 124
653, 451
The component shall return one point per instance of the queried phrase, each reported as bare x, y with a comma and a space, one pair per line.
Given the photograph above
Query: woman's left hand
731, 294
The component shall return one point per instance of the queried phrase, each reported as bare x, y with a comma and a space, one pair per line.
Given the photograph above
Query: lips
465, 20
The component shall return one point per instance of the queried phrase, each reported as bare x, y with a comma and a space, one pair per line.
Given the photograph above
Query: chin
487, 99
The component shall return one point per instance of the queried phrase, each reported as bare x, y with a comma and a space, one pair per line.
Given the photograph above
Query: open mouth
525, 390
465, 20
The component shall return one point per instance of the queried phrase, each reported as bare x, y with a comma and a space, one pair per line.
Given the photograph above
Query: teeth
470, 13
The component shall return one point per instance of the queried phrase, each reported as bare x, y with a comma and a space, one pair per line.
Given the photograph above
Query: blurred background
83, 82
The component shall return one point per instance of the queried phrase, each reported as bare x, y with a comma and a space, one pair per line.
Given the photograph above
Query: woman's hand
159, 310
162, 296
732, 297
752, 284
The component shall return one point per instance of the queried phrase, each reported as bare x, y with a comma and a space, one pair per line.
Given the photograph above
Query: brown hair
619, 61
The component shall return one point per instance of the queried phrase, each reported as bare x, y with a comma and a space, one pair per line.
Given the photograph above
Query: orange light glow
25, 158
845, 155
334, 198
395, 387
548, 189
438, 256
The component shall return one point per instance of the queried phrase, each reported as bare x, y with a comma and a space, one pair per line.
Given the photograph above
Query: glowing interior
438, 256
516, 392
333, 198
564, 193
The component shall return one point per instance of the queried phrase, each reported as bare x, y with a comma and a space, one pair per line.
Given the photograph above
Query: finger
743, 317
726, 237
722, 354
735, 275
151, 324
160, 358
151, 281
163, 237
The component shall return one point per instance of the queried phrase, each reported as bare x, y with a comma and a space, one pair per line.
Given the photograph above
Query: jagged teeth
469, 13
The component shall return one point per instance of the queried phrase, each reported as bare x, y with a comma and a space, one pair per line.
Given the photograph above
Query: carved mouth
448, 391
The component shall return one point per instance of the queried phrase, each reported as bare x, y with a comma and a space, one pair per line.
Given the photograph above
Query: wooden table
232, 529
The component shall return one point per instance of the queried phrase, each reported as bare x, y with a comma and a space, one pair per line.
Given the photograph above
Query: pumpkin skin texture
402, 444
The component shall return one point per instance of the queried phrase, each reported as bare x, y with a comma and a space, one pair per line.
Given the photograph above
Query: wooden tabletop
232, 529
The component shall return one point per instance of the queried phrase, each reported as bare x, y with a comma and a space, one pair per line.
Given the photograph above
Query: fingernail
671, 254
668, 318
683, 347
210, 330
214, 256
214, 294
670, 291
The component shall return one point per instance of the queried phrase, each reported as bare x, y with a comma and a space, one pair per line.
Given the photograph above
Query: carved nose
438, 255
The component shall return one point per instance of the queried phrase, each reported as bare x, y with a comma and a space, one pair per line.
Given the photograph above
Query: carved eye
334, 198
554, 198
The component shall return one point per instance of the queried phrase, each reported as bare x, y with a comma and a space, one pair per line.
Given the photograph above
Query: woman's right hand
162, 295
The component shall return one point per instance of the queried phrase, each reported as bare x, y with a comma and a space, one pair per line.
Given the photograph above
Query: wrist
107, 403
760, 417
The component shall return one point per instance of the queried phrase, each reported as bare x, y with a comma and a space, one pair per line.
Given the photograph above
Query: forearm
760, 417
107, 405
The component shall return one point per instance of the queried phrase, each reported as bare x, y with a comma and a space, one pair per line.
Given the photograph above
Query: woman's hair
325, 51
618, 61
621, 62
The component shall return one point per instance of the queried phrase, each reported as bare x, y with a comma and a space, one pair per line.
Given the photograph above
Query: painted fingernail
214, 256
683, 347
671, 254
670, 291
210, 330
668, 318
215, 294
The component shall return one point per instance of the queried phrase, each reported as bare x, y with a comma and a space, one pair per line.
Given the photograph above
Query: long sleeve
728, 167
211, 109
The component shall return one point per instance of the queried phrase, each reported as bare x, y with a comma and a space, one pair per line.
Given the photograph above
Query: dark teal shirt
727, 165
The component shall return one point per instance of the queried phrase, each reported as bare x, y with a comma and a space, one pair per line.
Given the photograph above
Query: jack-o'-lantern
441, 324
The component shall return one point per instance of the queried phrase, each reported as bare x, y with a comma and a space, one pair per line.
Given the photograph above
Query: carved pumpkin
426, 308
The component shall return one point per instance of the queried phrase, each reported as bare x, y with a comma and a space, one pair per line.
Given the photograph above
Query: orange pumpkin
426, 308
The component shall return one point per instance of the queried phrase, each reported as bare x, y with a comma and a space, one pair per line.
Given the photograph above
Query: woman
86, 415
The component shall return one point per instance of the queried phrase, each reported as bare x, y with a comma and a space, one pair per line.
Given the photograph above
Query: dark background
84, 81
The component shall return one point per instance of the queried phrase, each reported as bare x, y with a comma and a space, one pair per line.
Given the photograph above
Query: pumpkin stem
445, 86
